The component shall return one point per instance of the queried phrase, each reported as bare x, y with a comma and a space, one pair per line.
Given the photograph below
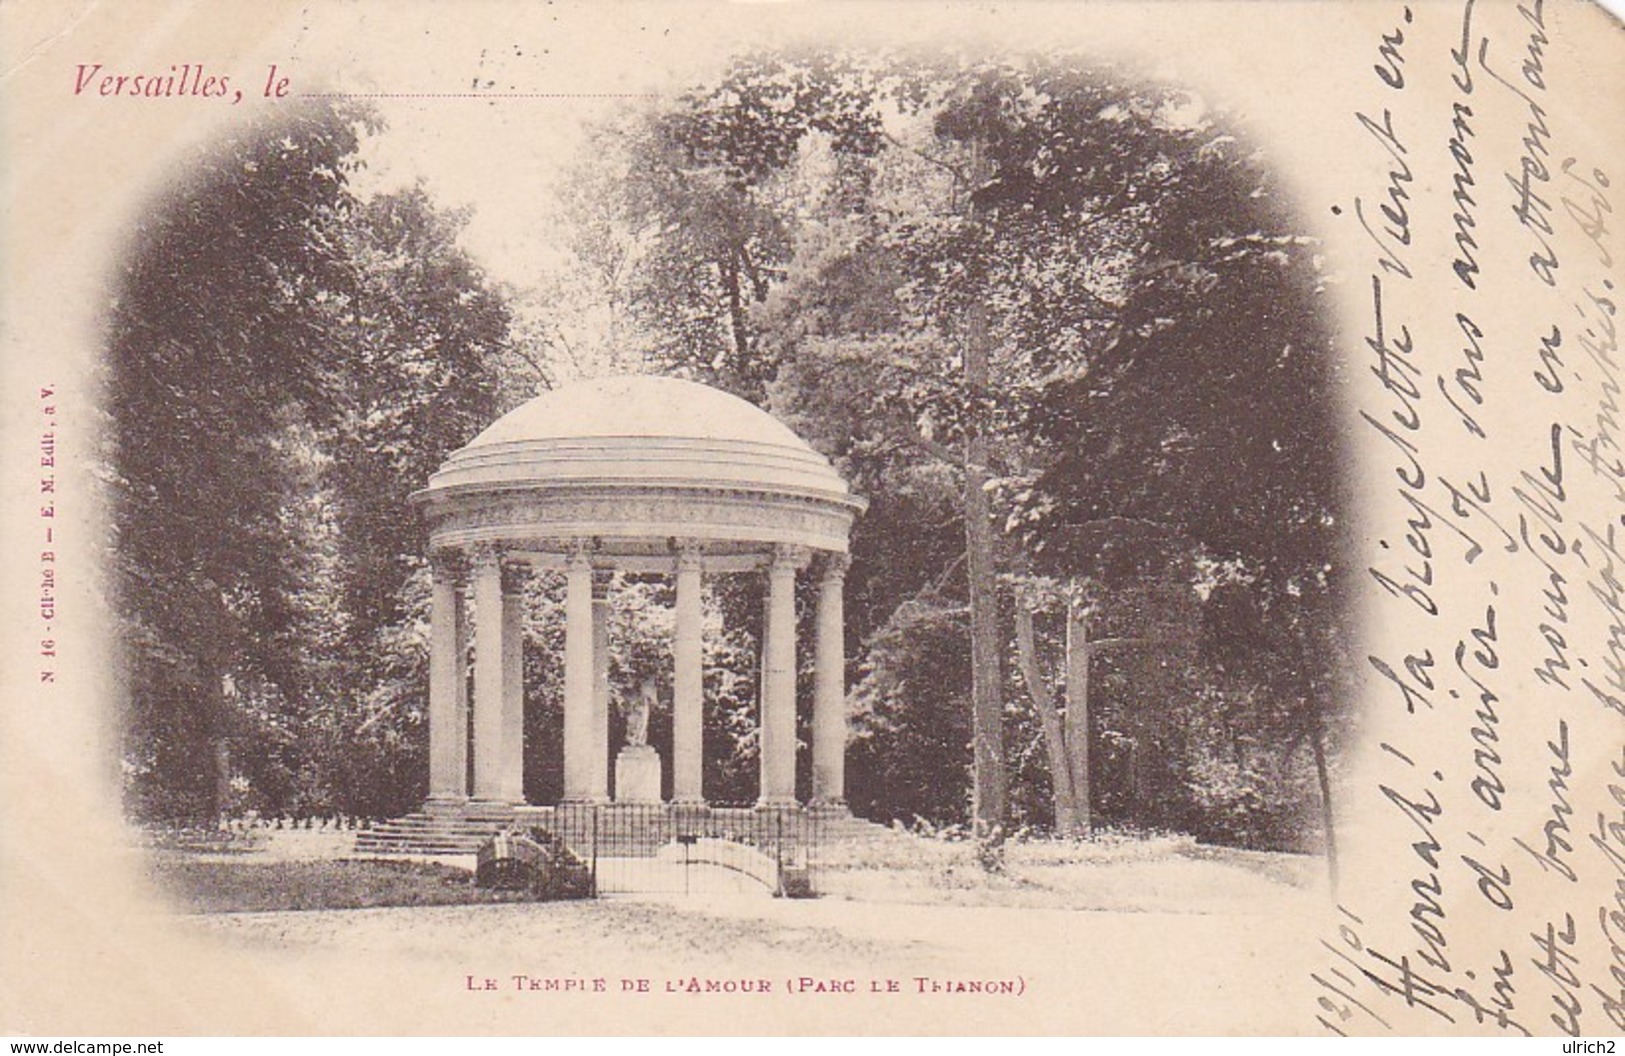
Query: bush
532, 860
1259, 803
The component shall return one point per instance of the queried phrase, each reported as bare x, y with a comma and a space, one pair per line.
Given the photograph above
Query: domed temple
637, 474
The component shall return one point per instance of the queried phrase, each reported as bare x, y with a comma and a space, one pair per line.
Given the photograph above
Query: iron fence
674, 849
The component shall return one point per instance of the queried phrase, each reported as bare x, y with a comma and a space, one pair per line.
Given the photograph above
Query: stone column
465, 706
688, 696
578, 679
488, 649
513, 685
829, 694
600, 684
778, 732
448, 718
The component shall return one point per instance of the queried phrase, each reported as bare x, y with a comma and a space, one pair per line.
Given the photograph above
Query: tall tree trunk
219, 743
222, 778
1067, 820
738, 324
1136, 791
1077, 707
1317, 745
987, 704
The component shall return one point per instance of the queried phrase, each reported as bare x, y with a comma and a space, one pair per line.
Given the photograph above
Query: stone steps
430, 834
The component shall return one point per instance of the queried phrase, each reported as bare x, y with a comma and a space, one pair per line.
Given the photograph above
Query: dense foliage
1058, 324
285, 364
1076, 307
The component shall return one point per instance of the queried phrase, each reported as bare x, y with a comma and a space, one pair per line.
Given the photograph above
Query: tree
424, 336
1155, 316
212, 353
952, 249
285, 363
1038, 312
703, 194
1224, 333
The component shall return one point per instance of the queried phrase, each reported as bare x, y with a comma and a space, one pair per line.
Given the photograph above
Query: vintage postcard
813, 518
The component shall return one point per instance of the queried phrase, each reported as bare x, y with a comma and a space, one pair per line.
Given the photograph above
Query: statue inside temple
637, 712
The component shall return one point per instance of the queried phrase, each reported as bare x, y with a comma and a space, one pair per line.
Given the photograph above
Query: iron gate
672, 849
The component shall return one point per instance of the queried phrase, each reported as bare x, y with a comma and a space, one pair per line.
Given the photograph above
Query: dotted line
479, 95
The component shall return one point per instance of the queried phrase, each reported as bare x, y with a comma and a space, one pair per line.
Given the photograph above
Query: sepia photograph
786, 519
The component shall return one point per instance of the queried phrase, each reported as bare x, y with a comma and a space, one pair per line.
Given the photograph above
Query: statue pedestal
637, 775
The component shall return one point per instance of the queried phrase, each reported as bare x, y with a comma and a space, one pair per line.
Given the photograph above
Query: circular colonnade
632, 474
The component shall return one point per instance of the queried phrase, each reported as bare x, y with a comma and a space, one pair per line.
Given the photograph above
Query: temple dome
664, 441
639, 405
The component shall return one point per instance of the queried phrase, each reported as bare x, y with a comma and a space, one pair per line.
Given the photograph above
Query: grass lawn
1104, 931
1109, 872
239, 884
